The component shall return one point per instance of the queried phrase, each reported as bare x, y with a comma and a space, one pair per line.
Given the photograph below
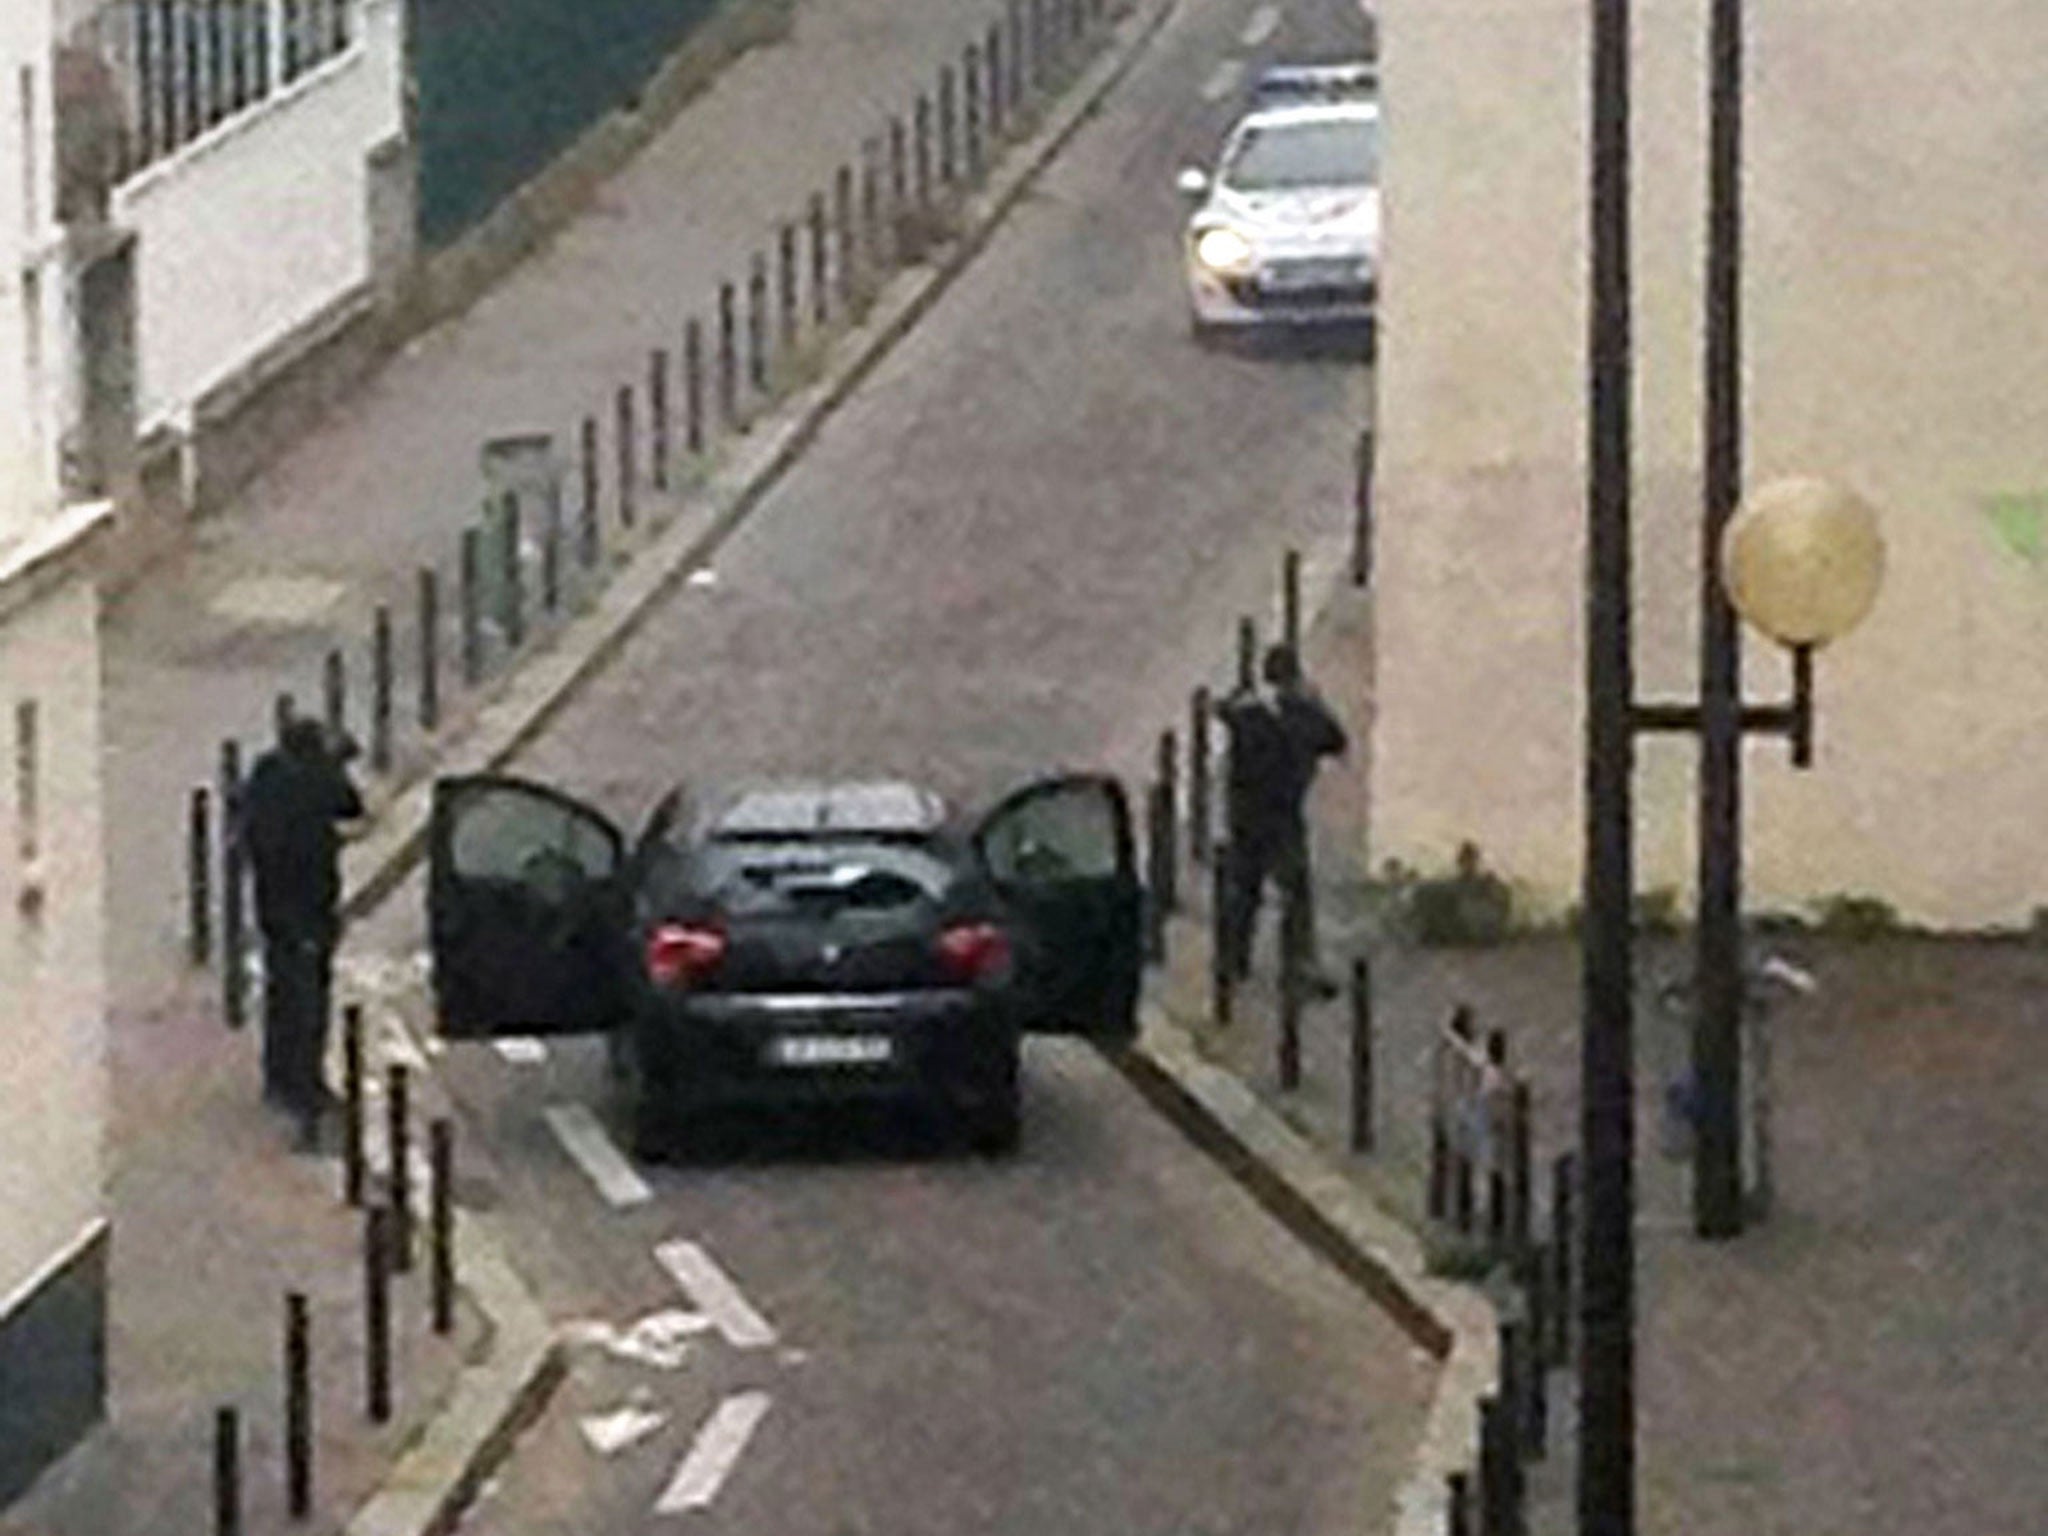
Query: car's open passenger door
526, 911
1059, 853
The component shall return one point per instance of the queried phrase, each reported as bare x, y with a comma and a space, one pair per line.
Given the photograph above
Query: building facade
63, 418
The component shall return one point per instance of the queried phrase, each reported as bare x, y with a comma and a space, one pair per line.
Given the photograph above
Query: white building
62, 342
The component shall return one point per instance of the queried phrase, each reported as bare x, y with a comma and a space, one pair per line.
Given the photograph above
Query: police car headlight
1223, 250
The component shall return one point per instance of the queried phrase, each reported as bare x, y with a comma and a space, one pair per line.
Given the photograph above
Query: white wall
27, 453
52, 1074
253, 229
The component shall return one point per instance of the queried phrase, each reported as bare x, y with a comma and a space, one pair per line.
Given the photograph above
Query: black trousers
298, 983
1280, 856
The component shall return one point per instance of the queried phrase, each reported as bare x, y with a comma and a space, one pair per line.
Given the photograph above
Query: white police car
1287, 231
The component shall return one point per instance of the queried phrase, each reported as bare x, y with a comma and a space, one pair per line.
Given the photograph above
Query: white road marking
609, 1433
715, 1295
661, 1339
1263, 23
711, 1456
1222, 80
585, 1142
703, 576
521, 1050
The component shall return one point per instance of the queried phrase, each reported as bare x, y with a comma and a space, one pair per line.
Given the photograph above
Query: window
510, 834
1337, 152
1069, 832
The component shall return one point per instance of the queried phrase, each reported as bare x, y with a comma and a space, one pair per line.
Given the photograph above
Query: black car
803, 943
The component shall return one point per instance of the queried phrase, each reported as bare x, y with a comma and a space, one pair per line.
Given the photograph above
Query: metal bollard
1361, 1056
1361, 528
1290, 600
1247, 652
785, 285
949, 166
821, 260
992, 54
471, 581
1535, 1280
377, 1312
873, 256
512, 579
693, 385
199, 876
1563, 1240
657, 411
1035, 31
1293, 912
628, 452
1199, 710
1169, 827
1496, 1453
728, 358
590, 541
233, 944
334, 691
1158, 846
1521, 1126
551, 551
1496, 1170
1458, 1508
227, 1472
899, 172
430, 647
1510, 1344
298, 1406
842, 224
398, 1145
380, 689
1221, 981
1015, 93
441, 1229
921, 133
352, 1103
282, 711
757, 322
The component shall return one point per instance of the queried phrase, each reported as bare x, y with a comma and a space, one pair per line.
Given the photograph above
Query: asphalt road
1020, 544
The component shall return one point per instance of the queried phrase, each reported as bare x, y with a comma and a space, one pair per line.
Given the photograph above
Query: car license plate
1311, 274
830, 1050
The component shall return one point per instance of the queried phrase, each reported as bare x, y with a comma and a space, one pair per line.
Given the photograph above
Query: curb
493, 1402
1314, 1199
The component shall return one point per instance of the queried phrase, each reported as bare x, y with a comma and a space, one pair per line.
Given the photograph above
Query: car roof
861, 808
1311, 112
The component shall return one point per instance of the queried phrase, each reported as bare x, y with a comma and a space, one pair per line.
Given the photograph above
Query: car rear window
750, 878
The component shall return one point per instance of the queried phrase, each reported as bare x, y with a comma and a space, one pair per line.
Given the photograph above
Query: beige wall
1896, 296
52, 1074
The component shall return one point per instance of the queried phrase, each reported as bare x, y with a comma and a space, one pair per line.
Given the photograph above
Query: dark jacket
290, 811
1275, 747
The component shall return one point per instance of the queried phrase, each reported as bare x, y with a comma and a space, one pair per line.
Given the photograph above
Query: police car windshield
1331, 152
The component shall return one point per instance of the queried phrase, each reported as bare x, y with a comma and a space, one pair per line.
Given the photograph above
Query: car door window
1069, 832
517, 837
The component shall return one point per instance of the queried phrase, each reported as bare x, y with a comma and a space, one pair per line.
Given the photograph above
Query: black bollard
1015, 91
1247, 652
334, 691
1458, 1507
1361, 530
430, 648
1290, 600
949, 168
1158, 842
842, 223
1293, 913
785, 284
757, 322
227, 1472
728, 357
352, 1103
1497, 1137
873, 257
1361, 1056
1168, 770
1198, 776
441, 1228
899, 173
380, 689
1521, 1117
282, 710
551, 550
1461, 1155
657, 413
1221, 981
921, 145
970, 81
199, 876
470, 597
693, 385
233, 943
512, 574
590, 540
298, 1406
398, 1144
1495, 1455
821, 260
992, 53
377, 1312
1563, 1239
628, 452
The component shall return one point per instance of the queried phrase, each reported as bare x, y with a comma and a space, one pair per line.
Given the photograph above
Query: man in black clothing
296, 807
1276, 745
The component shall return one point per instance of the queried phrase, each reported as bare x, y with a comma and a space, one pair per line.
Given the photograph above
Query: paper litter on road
661, 1339
609, 1433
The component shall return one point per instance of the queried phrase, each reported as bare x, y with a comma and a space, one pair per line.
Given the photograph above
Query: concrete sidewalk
1869, 1360
214, 1220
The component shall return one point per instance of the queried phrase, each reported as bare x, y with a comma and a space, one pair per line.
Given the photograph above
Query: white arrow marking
711, 1456
1222, 81
585, 1141
1262, 24
715, 1295
609, 1433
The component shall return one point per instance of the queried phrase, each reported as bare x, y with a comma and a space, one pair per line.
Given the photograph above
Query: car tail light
681, 953
974, 951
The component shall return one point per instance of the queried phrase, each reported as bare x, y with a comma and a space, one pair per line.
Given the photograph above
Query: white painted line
521, 1050
585, 1142
711, 1456
1223, 80
715, 1295
1264, 22
609, 1433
